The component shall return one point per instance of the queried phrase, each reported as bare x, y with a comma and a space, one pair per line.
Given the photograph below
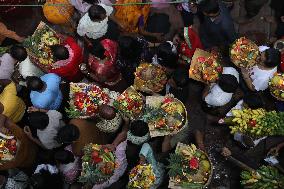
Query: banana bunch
246, 121
266, 177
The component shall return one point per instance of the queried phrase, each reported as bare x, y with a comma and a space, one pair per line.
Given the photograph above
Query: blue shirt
51, 98
219, 32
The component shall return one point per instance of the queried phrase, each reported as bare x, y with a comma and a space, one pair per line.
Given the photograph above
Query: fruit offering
244, 53
8, 149
276, 86
150, 78
189, 167
85, 100
165, 115
130, 103
141, 177
205, 67
98, 164
38, 46
258, 123
265, 177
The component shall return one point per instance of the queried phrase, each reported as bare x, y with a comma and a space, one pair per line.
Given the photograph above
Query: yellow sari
129, 15
14, 107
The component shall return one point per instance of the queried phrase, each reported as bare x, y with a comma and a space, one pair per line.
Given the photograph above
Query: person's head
271, 58
180, 78
253, 101
107, 112
281, 157
64, 157
98, 50
178, 37
228, 83
38, 120
34, 83
67, 134
45, 180
59, 52
210, 8
97, 13
139, 128
18, 53
167, 55
127, 44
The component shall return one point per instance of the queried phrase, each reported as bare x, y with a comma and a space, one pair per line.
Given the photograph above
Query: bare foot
269, 19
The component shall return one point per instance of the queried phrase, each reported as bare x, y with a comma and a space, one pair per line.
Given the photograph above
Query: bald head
107, 112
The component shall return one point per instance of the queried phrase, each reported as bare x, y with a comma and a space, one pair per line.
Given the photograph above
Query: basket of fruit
189, 168
205, 67
150, 78
98, 164
276, 86
265, 177
38, 46
130, 103
165, 115
257, 123
141, 177
85, 100
244, 53
8, 148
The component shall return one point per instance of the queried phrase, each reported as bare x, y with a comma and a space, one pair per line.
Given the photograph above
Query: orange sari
129, 15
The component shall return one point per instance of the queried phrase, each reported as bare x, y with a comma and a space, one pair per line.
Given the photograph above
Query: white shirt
27, 68
217, 97
260, 78
94, 30
47, 136
7, 63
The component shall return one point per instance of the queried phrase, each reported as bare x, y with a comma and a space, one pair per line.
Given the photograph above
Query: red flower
167, 100
219, 69
95, 154
97, 160
193, 163
252, 123
201, 59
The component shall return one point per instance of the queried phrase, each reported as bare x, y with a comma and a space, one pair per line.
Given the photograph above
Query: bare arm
28, 132
122, 135
247, 79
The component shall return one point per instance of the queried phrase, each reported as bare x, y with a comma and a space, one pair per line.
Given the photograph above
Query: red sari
69, 68
105, 71
189, 45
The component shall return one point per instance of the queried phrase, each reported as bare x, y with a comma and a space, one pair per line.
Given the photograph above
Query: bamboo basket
174, 185
151, 100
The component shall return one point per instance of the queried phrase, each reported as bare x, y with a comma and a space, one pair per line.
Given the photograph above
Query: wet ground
225, 175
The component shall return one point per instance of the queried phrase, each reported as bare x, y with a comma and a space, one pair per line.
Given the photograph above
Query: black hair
180, 77
280, 157
67, 134
273, 58
98, 50
38, 120
60, 52
18, 52
91, 1
253, 100
166, 57
139, 128
127, 44
209, 6
45, 180
34, 83
1, 88
228, 83
97, 12
64, 156
132, 155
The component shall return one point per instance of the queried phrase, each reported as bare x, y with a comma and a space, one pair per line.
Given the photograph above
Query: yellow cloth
129, 16
14, 107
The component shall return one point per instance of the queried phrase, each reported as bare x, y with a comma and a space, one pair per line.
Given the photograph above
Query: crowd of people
108, 43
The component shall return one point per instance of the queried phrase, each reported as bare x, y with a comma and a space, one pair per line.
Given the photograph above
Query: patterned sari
129, 15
